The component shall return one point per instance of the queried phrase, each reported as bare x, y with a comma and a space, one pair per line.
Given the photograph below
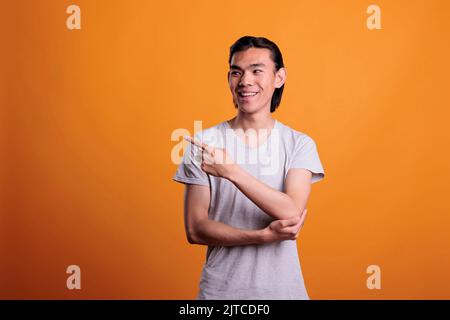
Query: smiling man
247, 183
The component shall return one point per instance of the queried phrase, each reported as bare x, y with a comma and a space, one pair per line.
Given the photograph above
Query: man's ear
280, 77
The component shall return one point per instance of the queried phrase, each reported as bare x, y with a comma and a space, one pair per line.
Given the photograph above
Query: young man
247, 182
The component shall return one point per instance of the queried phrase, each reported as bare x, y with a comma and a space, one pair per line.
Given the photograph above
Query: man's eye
234, 73
258, 70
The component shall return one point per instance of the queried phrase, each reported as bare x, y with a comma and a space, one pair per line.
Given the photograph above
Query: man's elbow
295, 214
289, 217
190, 236
193, 238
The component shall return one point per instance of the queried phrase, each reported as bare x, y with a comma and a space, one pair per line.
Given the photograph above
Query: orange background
87, 116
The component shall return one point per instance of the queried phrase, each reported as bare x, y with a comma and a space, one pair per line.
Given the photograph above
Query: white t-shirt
265, 271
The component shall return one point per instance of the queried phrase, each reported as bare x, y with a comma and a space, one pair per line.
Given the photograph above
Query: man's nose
246, 79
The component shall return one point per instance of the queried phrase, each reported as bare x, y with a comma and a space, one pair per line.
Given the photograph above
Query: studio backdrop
96, 95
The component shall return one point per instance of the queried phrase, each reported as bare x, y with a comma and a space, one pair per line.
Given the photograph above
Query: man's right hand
279, 230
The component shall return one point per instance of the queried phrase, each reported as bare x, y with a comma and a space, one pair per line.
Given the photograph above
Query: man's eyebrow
253, 65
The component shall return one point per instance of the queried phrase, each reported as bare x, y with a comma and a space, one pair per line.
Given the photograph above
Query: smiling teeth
248, 94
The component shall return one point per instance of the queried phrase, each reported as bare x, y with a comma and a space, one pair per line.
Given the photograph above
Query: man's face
252, 79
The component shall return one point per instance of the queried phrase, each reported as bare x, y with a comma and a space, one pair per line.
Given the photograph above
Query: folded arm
201, 230
290, 202
278, 204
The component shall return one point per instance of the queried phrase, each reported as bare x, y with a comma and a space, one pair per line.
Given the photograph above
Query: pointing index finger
195, 141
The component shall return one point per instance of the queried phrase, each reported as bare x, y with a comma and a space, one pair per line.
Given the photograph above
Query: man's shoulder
288, 132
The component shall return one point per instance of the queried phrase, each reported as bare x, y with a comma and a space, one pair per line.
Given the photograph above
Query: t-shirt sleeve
189, 170
306, 156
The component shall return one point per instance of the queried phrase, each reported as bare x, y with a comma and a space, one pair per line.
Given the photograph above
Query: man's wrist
234, 172
263, 236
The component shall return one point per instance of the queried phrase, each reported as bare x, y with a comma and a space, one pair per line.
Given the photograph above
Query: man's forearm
214, 233
275, 203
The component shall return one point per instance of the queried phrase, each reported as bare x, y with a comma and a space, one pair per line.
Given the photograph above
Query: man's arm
201, 230
278, 204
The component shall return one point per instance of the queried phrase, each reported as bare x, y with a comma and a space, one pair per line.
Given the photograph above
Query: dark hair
247, 42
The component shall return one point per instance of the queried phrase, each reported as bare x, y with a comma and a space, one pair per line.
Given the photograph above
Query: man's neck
257, 122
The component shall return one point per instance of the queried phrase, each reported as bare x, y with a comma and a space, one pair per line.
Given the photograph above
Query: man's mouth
247, 94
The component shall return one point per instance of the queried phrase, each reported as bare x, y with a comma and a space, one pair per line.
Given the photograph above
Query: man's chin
248, 108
